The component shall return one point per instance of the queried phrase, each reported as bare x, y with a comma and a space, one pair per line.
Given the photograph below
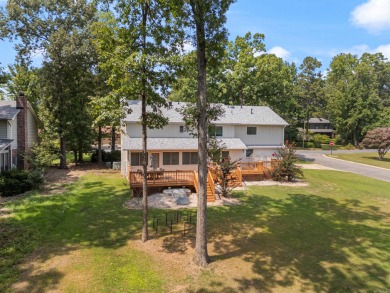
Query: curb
326, 156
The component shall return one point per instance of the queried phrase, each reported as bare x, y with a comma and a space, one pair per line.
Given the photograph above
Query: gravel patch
163, 201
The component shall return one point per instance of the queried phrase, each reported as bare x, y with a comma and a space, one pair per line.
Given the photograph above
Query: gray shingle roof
246, 115
8, 110
5, 143
318, 120
155, 143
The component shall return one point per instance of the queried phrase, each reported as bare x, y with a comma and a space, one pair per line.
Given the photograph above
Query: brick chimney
22, 137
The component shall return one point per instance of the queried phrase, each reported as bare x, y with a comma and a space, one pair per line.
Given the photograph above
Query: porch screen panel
170, 158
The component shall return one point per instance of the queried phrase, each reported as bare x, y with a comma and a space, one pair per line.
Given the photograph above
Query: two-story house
18, 132
320, 126
247, 132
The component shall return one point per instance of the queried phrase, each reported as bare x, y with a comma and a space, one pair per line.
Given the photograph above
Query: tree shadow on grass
376, 158
320, 243
89, 214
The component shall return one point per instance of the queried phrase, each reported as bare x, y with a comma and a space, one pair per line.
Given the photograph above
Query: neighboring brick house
18, 132
320, 126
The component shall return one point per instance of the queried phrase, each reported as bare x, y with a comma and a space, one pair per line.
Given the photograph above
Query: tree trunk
80, 158
145, 232
63, 153
112, 145
201, 255
75, 156
100, 161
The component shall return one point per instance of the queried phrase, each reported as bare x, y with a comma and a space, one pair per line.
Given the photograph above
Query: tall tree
58, 31
206, 18
136, 47
309, 88
357, 92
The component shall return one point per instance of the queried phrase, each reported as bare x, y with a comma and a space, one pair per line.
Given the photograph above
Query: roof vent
251, 111
170, 105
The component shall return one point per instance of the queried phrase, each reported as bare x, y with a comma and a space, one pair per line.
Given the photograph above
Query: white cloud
374, 15
280, 52
384, 49
363, 48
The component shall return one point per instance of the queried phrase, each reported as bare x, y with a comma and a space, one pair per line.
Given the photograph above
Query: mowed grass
331, 236
366, 158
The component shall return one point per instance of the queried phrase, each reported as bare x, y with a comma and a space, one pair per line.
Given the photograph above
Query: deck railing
163, 177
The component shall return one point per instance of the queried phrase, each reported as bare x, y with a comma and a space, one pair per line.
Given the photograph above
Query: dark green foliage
319, 139
286, 169
41, 156
16, 182
106, 156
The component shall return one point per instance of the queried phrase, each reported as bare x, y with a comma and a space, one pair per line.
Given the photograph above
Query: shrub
106, 156
350, 147
378, 138
319, 139
14, 182
287, 169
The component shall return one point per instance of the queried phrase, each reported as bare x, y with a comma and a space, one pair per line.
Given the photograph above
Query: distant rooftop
318, 120
245, 115
8, 110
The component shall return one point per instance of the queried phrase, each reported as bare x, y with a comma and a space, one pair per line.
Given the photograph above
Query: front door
155, 160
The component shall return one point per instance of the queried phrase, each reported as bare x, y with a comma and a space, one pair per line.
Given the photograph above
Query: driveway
318, 157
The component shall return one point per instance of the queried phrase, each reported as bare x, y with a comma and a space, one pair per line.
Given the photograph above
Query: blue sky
300, 28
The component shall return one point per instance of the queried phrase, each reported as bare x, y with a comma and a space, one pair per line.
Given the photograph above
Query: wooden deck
161, 178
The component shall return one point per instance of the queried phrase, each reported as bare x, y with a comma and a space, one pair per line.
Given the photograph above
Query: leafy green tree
135, 48
3, 81
24, 79
206, 18
309, 88
58, 30
378, 138
356, 94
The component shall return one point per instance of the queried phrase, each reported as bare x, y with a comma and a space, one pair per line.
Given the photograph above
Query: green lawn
331, 236
366, 158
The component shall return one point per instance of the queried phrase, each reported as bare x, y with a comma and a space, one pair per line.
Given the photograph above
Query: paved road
365, 170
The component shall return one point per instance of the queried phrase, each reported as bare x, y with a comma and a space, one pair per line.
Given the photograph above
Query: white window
251, 130
225, 154
181, 128
218, 131
170, 158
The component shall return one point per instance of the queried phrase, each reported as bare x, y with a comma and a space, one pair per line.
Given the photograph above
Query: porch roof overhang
4, 143
175, 143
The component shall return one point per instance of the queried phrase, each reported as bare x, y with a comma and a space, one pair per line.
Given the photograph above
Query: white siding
266, 135
3, 129
14, 136
171, 130
32, 129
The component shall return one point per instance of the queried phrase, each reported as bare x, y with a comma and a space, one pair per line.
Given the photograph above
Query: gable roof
4, 143
8, 110
244, 115
318, 120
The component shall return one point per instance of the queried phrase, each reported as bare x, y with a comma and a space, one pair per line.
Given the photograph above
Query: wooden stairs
210, 186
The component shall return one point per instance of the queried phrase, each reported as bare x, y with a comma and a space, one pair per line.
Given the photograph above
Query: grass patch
70, 158
366, 158
333, 236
